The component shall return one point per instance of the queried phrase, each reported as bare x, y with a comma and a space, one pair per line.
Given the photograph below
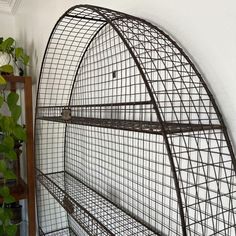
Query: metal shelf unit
129, 139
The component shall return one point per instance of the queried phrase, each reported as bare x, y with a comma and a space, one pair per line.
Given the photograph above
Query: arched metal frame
129, 139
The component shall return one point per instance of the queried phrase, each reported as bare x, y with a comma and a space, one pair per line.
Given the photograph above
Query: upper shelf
133, 125
132, 116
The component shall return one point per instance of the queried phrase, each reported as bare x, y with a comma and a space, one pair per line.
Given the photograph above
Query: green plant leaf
1, 213
11, 230
12, 99
9, 174
8, 213
4, 191
20, 133
8, 141
7, 146
4, 215
15, 112
25, 59
3, 166
6, 68
1, 230
18, 52
7, 44
7, 217
1, 101
9, 199
2, 80
7, 124
11, 155
3, 148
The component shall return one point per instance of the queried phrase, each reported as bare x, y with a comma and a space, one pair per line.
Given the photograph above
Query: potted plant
14, 57
12, 134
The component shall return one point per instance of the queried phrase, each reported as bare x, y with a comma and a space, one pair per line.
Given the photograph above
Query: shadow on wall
34, 67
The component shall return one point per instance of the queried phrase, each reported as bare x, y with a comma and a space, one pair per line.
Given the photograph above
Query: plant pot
16, 218
14, 166
16, 212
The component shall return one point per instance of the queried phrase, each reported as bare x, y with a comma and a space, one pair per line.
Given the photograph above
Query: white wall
206, 29
7, 25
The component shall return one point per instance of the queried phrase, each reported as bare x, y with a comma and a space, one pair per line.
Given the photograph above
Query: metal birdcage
129, 139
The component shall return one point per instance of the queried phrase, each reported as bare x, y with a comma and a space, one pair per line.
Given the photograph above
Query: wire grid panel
50, 146
65, 49
75, 228
51, 217
178, 91
207, 178
108, 75
55, 184
145, 133
128, 168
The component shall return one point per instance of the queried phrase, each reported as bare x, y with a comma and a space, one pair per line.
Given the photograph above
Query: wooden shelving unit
26, 190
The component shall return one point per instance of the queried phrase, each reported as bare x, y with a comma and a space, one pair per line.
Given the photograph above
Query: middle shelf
132, 125
94, 213
137, 117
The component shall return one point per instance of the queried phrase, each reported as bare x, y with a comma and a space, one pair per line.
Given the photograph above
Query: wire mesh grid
128, 136
75, 228
128, 169
61, 232
53, 218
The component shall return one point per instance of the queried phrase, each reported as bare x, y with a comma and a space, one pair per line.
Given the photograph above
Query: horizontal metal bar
84, 18
100, 105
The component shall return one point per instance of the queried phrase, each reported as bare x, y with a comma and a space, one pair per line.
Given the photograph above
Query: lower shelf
95, 214
61, 232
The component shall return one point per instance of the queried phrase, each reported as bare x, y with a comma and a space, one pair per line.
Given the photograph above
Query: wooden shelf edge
16, 78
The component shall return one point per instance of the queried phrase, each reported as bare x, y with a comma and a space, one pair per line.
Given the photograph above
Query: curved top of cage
169, 76
157, 57
106, 65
